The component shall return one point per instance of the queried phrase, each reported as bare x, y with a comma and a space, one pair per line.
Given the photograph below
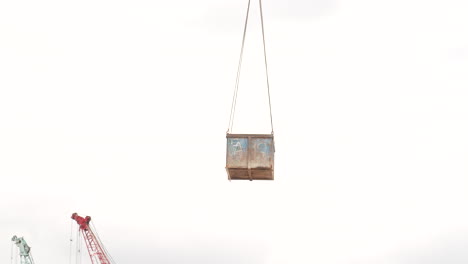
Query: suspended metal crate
250, 156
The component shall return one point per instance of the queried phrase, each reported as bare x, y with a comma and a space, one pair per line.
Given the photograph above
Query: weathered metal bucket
250, 156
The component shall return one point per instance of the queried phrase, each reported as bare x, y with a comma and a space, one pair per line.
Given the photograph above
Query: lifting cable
12, 244
31, 259
78, 248
102, 244
71, 241
14, 253
234, 98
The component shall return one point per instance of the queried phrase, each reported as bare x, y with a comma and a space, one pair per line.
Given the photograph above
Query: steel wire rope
16, 255
102, 244
266, 64
11, 255
239, 67
78, 248
71, 241
31, 259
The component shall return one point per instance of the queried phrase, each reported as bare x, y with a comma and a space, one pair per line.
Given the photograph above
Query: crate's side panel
261, 153
262, 174
256, 174
239, 174
237, 153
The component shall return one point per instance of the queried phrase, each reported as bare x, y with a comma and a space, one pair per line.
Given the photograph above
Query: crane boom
25, 256
95, 249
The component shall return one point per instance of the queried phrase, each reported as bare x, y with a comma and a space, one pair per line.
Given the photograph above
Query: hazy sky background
118, 110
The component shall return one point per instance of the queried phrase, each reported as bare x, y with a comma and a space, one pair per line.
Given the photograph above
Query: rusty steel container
250, 156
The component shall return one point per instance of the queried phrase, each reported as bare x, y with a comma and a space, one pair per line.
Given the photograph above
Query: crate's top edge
249, 135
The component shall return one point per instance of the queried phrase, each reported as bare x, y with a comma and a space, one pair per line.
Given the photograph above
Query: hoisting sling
236, 88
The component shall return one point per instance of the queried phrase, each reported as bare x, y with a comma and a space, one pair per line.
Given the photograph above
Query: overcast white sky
118, 110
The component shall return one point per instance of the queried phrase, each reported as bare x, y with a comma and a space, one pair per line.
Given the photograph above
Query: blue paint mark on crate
237, 146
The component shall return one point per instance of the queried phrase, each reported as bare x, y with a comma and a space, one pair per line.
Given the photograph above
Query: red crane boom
95, 249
